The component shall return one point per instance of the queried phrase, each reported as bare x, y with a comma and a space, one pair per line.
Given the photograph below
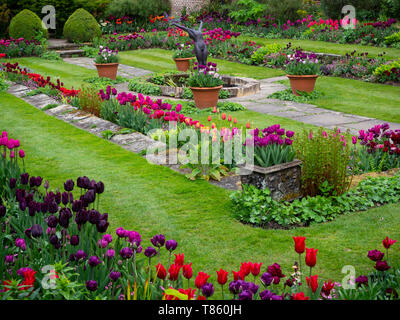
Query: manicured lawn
328, 47
357, 97
152, 199
160, 60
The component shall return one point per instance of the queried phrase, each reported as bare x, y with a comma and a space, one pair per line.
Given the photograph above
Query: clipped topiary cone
26, 24
81, 26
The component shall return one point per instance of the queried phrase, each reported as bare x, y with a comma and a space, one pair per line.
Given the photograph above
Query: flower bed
20, 48
14, 72
50, 238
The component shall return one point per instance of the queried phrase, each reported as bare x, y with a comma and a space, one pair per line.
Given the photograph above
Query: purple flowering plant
302, 63
272, 146
205, 76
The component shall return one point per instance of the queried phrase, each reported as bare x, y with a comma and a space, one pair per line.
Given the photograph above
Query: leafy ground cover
196, 214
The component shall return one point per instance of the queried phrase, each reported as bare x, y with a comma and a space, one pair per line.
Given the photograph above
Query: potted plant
107, 62
182, 56
275, 166
302, 70
205, 83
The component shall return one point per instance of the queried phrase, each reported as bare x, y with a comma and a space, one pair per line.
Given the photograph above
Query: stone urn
107, 70
304, 83
206, 97
283, 180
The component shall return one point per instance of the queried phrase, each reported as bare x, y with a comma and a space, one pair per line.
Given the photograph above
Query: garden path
259, 102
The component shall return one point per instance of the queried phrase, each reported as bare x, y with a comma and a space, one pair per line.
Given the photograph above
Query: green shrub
244, 10
258, 56
138, 9
283, 10
393, 38
26, 24
81, 26
365, 9
325, 157
4, 19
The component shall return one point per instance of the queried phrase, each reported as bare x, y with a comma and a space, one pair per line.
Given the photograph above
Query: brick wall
191, 5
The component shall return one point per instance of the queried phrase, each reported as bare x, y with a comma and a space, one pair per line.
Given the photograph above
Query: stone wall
191, 5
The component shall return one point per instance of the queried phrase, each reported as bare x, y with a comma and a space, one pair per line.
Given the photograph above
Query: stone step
70, 53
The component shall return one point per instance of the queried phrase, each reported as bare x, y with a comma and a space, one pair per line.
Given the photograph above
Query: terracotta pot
302, 83
183, 64
206, 97
107, 70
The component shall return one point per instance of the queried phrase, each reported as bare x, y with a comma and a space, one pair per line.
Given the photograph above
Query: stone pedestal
283, 180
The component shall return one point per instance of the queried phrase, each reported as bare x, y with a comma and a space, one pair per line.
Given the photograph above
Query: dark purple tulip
12, 183
266, 295
9, 259
207, 290
53, 239
64, 218
375, 255
246, 295
2, 211
38, 181
94, 261
32, 182
71, 257
382, 266
22, 204
99, 187
266, 279
36, 231
69, 185
52, 221
90, 196
115, 275
91, 285
74, 240
24, 178
65, 198
76, 205
57, 197
362, 280
79, 182
28, 232
104, 217
158, 240
31, 210
53, 207
234, 286
102, 226
80, 255
81, 217
126, 253
150, 252
171, 245
94, 216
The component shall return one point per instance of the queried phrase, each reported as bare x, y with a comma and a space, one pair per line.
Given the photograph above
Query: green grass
328, 47
152, 199
358, 97
71, 75
160, 60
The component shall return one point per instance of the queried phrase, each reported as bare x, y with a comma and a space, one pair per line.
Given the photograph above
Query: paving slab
96, 125
40, 100
136, 142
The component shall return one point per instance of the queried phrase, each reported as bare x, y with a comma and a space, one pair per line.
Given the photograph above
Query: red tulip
174, 272
299, 244
222, 276
161, 272
246, 268
223, 116
313, 283
187, 271
387, 243
248, 125
179, 259
311, 257
229, 118
238, 275
255, 269
299, 296
209, 118
327, 287
201, 279
234, 120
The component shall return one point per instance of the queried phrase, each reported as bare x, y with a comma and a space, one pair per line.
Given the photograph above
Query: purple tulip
171, 245
91, 285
